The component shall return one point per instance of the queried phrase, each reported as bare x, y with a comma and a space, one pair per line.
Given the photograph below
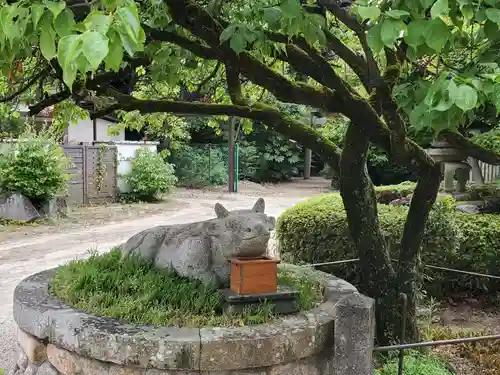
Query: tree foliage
388, 66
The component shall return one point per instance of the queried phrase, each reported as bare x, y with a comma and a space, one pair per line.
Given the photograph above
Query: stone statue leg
191, 258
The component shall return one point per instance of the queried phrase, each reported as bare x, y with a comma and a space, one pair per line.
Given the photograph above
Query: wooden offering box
254, 275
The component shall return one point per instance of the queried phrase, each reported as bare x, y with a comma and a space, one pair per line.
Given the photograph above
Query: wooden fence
490, 172
93, 173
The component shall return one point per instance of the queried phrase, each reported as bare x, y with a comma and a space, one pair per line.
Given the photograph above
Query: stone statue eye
249, 229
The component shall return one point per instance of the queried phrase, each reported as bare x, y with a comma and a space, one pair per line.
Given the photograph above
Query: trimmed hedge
316, 231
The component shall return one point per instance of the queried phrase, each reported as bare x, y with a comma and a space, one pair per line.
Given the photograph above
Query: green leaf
437, 34
440, 8
95, 47
272, 15
130, 20
496, 96
36, 13
368, 13
115, 55
47, 38
98, 21
227, 33
491, 30
291, 8
64, 23
83, 64
415, 33
130, 45
391, 31
69, 75
238, 42
68, 50
465, 97
374, 38
493, 15
55, 7
396, 13
426, 3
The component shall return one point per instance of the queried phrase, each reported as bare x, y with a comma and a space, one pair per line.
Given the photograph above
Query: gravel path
22, 254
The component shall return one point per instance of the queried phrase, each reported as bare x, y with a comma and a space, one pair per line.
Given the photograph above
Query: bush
415, 365
386, 194
150, 175
316, 231
35, 167
198, 167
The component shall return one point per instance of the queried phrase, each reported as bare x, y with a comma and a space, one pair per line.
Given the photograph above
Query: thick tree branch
49, 101
351, 22
174, 38
270, 116
472, 149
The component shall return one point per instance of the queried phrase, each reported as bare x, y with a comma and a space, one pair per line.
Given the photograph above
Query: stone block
336, 289
33, 348
22, 359
17, 207
284, 340
68, 363
284, 301
55, 207
46, 369
354, 335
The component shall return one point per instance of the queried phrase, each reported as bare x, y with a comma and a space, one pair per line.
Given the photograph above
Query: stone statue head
249, 232
258, 208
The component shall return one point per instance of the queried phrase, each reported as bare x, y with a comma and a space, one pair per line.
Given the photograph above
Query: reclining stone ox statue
202, 250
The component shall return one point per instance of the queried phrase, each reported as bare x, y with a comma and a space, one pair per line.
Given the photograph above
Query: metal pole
308, 157
427, 344
236, 166
230, 155
402, 339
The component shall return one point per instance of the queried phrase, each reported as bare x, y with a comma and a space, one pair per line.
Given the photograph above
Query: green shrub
386, 194
316, 231
198, 167
485, 191
35, 167
489, 140
135, 291
415, 365
150, 175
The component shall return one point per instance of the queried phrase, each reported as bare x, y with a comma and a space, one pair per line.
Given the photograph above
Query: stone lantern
454, 165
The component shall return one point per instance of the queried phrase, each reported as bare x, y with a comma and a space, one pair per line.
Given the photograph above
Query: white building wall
83, 131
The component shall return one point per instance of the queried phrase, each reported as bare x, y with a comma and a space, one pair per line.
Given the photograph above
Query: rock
402, 201
22, 359
17, 207
57, 206
34, 349
47, 369
68, 363
201, 250
468, 208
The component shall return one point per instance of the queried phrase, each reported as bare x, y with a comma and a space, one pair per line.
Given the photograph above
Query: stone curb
109, 340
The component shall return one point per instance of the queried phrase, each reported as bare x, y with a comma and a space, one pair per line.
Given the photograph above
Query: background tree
384, 65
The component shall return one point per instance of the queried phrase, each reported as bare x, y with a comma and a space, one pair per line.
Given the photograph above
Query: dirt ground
470, 318
25, 250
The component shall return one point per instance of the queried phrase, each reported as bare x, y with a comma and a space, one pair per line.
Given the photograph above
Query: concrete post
307, 164
354, 335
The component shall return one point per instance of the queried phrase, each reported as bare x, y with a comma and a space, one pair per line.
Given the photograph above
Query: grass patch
415, 365
134, 291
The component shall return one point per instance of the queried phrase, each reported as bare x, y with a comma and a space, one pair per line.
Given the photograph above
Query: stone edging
109, 340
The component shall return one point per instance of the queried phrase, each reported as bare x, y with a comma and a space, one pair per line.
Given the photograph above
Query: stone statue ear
259, 206
221, 211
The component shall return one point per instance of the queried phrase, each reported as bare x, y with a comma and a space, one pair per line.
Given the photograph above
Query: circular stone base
55, 338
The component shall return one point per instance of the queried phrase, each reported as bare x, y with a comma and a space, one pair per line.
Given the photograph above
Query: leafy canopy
450, 47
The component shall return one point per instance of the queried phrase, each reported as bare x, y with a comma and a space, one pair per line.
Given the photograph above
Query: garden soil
25, 250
